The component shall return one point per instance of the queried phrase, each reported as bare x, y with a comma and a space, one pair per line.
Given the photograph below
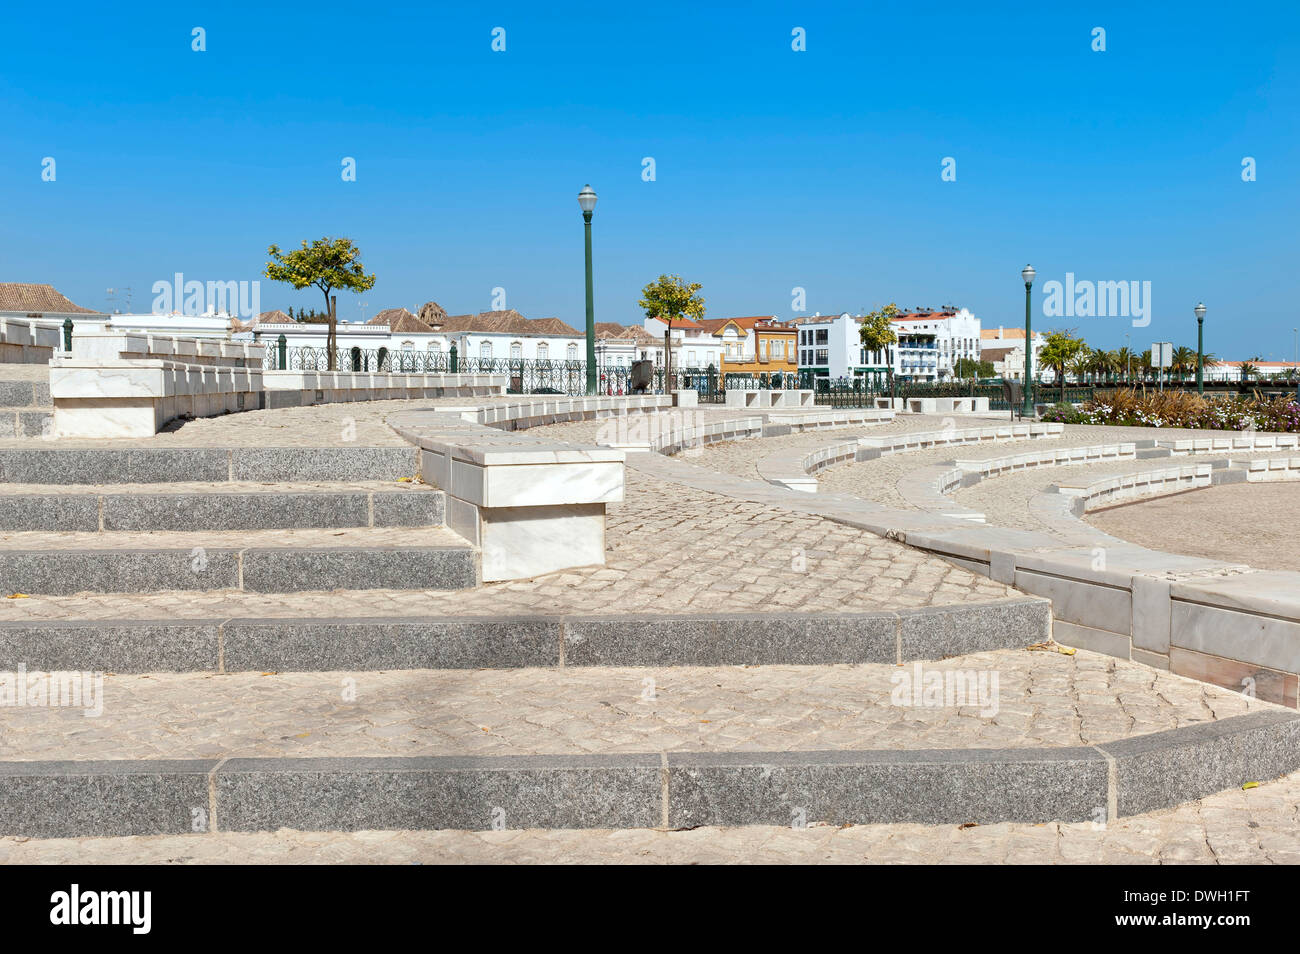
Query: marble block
522, 542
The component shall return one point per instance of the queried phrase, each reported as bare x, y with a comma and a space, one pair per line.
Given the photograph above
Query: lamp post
1200, 347
1027, 273
587, 202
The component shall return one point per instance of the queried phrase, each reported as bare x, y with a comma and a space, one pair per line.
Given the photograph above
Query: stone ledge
642, 790
424, 642
286, 569
219, 510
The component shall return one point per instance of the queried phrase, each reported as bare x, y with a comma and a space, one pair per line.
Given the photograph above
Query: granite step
22, 421
389, 630
26, 393
230, 505
624, 748
60, 466
262, 561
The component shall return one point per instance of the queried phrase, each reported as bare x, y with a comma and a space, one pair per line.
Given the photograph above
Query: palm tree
1124, 363
1248, 371
1103, 363
1184, 361
1081, 365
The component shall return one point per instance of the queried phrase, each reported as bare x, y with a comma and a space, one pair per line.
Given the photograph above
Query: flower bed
1132, 408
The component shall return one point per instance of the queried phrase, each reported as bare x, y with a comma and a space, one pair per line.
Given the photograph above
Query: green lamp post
1200, 346
587, 202
1028, 273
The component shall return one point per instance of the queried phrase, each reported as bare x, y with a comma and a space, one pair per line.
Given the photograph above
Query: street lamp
1027, 273
587, 202
1200, 347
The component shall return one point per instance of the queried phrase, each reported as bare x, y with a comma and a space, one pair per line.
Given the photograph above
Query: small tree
670, 299
973, 368
1059, 351
326, 264
876, 332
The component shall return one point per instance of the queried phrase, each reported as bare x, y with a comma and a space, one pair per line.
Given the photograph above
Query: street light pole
1027, 273
587, 202
1200, 347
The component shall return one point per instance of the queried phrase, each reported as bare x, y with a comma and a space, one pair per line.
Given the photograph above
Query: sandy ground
1251, 523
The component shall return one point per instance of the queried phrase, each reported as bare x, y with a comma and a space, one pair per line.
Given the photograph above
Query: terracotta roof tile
401, 321
32, 298
509, 322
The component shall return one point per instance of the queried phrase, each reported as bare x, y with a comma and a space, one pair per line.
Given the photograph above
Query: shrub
1129, 407
1063, 413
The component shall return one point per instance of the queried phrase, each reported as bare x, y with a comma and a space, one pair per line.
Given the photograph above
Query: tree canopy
670, 299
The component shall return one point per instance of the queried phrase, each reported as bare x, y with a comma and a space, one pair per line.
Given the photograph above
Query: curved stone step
624, 748
263, 561
126, 465
234, 505
239, 643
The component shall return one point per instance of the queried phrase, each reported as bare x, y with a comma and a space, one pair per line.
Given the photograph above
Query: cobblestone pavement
742, 457
1031, 698
669, 550
25, 372
1210, 523
1004, 500
1255, 826
232, 539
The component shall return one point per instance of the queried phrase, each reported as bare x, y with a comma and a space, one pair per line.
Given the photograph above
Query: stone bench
27, 341
530, 505
129, 384
762, 399
303, 388
119, 384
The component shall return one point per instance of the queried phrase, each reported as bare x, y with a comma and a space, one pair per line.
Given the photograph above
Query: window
516, 351
543, 351
573, 351
485, 350
435, 347
823, 336
823, 356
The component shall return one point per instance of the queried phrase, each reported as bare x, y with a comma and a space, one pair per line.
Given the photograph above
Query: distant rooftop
31, 298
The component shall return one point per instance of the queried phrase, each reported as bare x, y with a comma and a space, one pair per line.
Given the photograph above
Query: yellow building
755, 345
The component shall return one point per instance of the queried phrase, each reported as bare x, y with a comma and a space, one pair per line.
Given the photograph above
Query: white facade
930, 344
210, 325
928, 348
693, 346
1015, 338
615, 351
831, 346
500, 346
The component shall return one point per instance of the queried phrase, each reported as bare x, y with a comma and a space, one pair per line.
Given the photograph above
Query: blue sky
775, 169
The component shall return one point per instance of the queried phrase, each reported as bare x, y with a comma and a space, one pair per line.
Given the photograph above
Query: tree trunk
331, 345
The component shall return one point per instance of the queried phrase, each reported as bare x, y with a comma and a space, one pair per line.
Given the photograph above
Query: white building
508, 335
617, 346
1005, 348
929, 345
695, 348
